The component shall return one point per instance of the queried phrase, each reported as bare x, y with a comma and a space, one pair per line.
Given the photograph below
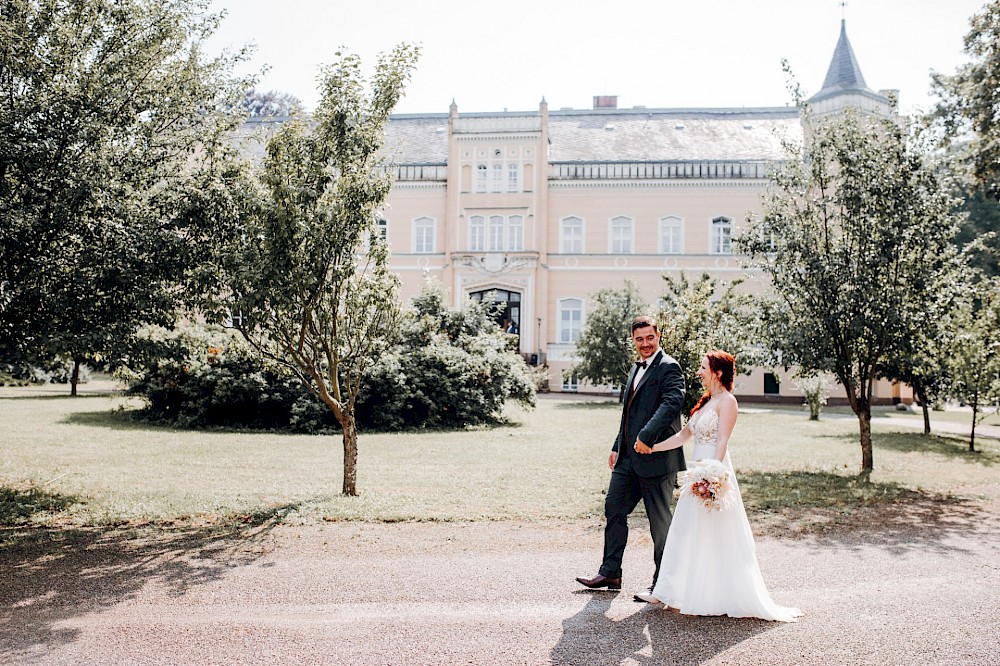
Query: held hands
641, 448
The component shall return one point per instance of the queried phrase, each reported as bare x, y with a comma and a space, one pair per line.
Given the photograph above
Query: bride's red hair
718, 361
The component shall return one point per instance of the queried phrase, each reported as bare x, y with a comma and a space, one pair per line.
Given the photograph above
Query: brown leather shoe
600, 581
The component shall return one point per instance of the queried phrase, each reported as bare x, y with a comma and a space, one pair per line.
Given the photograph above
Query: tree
605, 345
967, 110
453, 367
312, 279
258, 104
857, 239
107, 110
974, 357
695, 318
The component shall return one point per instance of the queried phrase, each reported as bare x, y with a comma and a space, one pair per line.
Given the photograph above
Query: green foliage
453, 368
605, 346
695, 318
815, 392
967, 111
973, 356
310, 275
208, 377
107, 110
858, 241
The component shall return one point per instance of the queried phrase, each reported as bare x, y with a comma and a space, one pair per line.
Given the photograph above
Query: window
571, 235
481, 176
771, 385
494, 234
477, 233
497, 184
621, 235
515, 233
513, 178
722, 236
423, 235
571, 384
671, 235
382, 225
570, 319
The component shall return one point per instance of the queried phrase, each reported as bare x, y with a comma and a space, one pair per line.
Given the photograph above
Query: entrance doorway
508, 316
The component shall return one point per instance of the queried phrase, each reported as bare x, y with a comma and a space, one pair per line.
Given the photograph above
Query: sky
509, 54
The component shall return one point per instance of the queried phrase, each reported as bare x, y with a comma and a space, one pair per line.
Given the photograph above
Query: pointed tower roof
844, 72
844, 84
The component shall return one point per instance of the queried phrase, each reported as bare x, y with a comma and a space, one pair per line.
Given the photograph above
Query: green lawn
81, 461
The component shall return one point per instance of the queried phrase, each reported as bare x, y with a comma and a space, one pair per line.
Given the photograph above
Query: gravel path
485, 593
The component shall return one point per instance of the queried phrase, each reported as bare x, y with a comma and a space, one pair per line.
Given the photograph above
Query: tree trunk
926, 409
350, 428
865, 424
75, 377
972, 435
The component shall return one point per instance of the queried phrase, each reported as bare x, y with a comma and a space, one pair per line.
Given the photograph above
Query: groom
652, 399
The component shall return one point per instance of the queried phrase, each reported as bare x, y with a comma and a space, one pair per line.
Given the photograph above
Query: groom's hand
641, 448
612, 459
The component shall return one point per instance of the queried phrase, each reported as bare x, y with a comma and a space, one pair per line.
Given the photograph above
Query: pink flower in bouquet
709, 481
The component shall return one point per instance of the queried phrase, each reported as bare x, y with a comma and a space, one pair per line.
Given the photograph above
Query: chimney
605, 102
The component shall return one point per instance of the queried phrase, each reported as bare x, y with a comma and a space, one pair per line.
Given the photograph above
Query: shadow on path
48, 576
650, 635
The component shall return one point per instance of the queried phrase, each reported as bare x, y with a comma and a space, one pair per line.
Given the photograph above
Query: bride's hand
641, 448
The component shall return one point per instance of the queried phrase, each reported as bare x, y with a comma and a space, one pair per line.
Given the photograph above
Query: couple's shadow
649, 635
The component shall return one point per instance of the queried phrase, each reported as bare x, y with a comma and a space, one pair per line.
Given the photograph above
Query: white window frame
515, 233
424, 234
570, 334
721, 235
671, 222
496, 181
495, 232
477, 233
565, 240
630, 236
571, 384
482, 178
513, 177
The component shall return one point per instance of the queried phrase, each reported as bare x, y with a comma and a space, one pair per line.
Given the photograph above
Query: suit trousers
624, 492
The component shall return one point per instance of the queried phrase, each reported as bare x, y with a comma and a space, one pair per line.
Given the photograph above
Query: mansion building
540, 209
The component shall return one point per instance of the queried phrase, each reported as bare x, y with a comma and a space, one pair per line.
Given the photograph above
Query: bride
709, 564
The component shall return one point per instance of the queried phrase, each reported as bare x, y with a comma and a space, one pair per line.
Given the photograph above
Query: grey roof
417, 138
621, 135
672, 134
844, 72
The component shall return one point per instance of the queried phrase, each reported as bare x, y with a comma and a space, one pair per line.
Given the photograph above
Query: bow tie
640, 364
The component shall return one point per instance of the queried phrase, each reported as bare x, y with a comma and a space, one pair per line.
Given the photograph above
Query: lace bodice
705, 431
705, 426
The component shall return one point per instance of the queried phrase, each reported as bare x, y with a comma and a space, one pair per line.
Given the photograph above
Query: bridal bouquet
709, 481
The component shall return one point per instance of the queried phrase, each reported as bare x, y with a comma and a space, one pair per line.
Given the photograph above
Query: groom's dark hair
642, 321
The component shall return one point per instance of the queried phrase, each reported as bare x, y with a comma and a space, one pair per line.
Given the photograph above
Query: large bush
454, 368
207, 377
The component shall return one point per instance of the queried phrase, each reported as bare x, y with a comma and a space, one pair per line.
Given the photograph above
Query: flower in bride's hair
711, 482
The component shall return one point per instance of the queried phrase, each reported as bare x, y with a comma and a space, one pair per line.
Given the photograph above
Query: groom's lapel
652, 364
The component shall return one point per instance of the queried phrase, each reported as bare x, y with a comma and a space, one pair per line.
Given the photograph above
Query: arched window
513, 178
621, 235
494, 234
477, 233
722, 236
671, 235
482, 174
423, 235
570, 319
571, 235
515, 233
497, 184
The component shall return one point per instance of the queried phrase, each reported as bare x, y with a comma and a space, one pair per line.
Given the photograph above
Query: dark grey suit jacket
652, 415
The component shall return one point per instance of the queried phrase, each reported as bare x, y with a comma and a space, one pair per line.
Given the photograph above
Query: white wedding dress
709, 564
